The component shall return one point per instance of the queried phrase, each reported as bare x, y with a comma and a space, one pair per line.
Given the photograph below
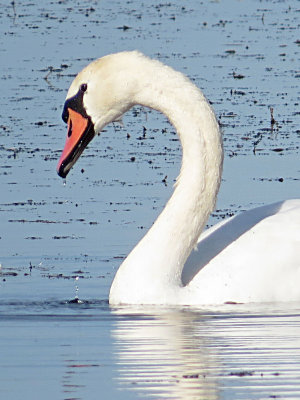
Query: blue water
245, 57
58, 350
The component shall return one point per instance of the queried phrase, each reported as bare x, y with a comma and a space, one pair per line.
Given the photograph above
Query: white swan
253, 257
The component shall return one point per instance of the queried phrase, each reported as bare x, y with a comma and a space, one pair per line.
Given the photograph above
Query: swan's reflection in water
165, 355
239, 352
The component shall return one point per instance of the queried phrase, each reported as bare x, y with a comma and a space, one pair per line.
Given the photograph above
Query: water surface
77, 351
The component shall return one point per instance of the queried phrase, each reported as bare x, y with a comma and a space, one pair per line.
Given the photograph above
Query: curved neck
161, 254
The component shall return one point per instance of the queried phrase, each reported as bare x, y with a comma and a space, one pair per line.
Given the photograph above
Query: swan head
101, 93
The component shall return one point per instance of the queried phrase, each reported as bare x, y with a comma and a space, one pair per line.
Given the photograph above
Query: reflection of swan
166, 354
251, 257
247, 351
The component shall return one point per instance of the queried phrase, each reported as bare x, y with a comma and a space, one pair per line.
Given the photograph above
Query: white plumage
253, 257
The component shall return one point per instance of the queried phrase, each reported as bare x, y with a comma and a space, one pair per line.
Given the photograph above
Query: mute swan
253, 257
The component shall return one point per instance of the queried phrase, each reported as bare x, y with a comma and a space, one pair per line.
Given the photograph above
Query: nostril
70, 128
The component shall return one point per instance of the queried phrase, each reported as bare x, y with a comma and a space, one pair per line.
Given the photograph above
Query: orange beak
80, 133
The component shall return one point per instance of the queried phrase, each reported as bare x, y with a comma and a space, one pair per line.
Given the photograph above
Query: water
245, 56
78, 351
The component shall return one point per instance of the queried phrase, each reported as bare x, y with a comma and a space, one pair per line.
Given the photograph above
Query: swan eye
83, 87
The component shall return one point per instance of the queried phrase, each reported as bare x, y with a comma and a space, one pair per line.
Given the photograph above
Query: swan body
252, 257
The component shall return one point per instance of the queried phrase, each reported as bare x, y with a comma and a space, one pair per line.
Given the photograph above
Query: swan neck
198, 183
161, 254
